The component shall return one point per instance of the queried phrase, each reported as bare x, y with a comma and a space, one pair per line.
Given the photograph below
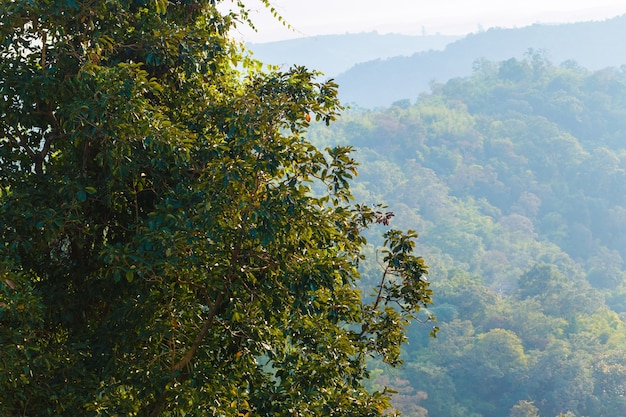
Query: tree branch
380, 289
22, 142
161, 402
44, 41
208, 322
364, 328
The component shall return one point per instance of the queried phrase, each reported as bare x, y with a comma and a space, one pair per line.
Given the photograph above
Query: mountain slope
515, 179
593, 45
333, 54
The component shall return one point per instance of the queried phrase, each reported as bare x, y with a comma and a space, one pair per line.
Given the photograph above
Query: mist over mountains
334, 54
380, 69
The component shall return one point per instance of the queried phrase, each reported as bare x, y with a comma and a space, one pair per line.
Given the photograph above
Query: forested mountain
515, 179
334, 54
594, 45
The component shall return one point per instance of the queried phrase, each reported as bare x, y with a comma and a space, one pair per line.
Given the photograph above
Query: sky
414, 17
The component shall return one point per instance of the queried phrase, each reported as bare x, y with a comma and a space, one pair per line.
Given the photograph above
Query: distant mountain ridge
334, 54
594, 45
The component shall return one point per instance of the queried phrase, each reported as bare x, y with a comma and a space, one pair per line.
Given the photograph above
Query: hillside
593, 45
515, 179
334, 54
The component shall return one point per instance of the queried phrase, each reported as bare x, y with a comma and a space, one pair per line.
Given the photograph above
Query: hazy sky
454, 17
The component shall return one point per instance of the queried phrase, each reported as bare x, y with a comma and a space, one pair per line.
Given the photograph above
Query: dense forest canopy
515, 178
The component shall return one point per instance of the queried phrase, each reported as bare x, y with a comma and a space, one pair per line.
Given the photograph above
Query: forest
515, 180
183, 231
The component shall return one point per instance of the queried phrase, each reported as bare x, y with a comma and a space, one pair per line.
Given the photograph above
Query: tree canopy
515, 178
171, 244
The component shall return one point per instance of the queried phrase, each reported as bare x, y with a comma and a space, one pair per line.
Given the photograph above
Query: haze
450, 17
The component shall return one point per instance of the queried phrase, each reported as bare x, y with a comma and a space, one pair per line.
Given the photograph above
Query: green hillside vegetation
515, 179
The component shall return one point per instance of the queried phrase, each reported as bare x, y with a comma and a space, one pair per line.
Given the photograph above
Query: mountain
334, 54
594, 45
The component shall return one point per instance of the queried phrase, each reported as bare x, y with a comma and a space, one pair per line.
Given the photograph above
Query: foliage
516, 177
163, 252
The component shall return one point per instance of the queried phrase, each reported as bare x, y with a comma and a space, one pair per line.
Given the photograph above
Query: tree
493, 370
162, 252
524, 409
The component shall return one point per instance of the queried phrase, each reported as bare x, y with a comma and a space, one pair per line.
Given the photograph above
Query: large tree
170, 242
